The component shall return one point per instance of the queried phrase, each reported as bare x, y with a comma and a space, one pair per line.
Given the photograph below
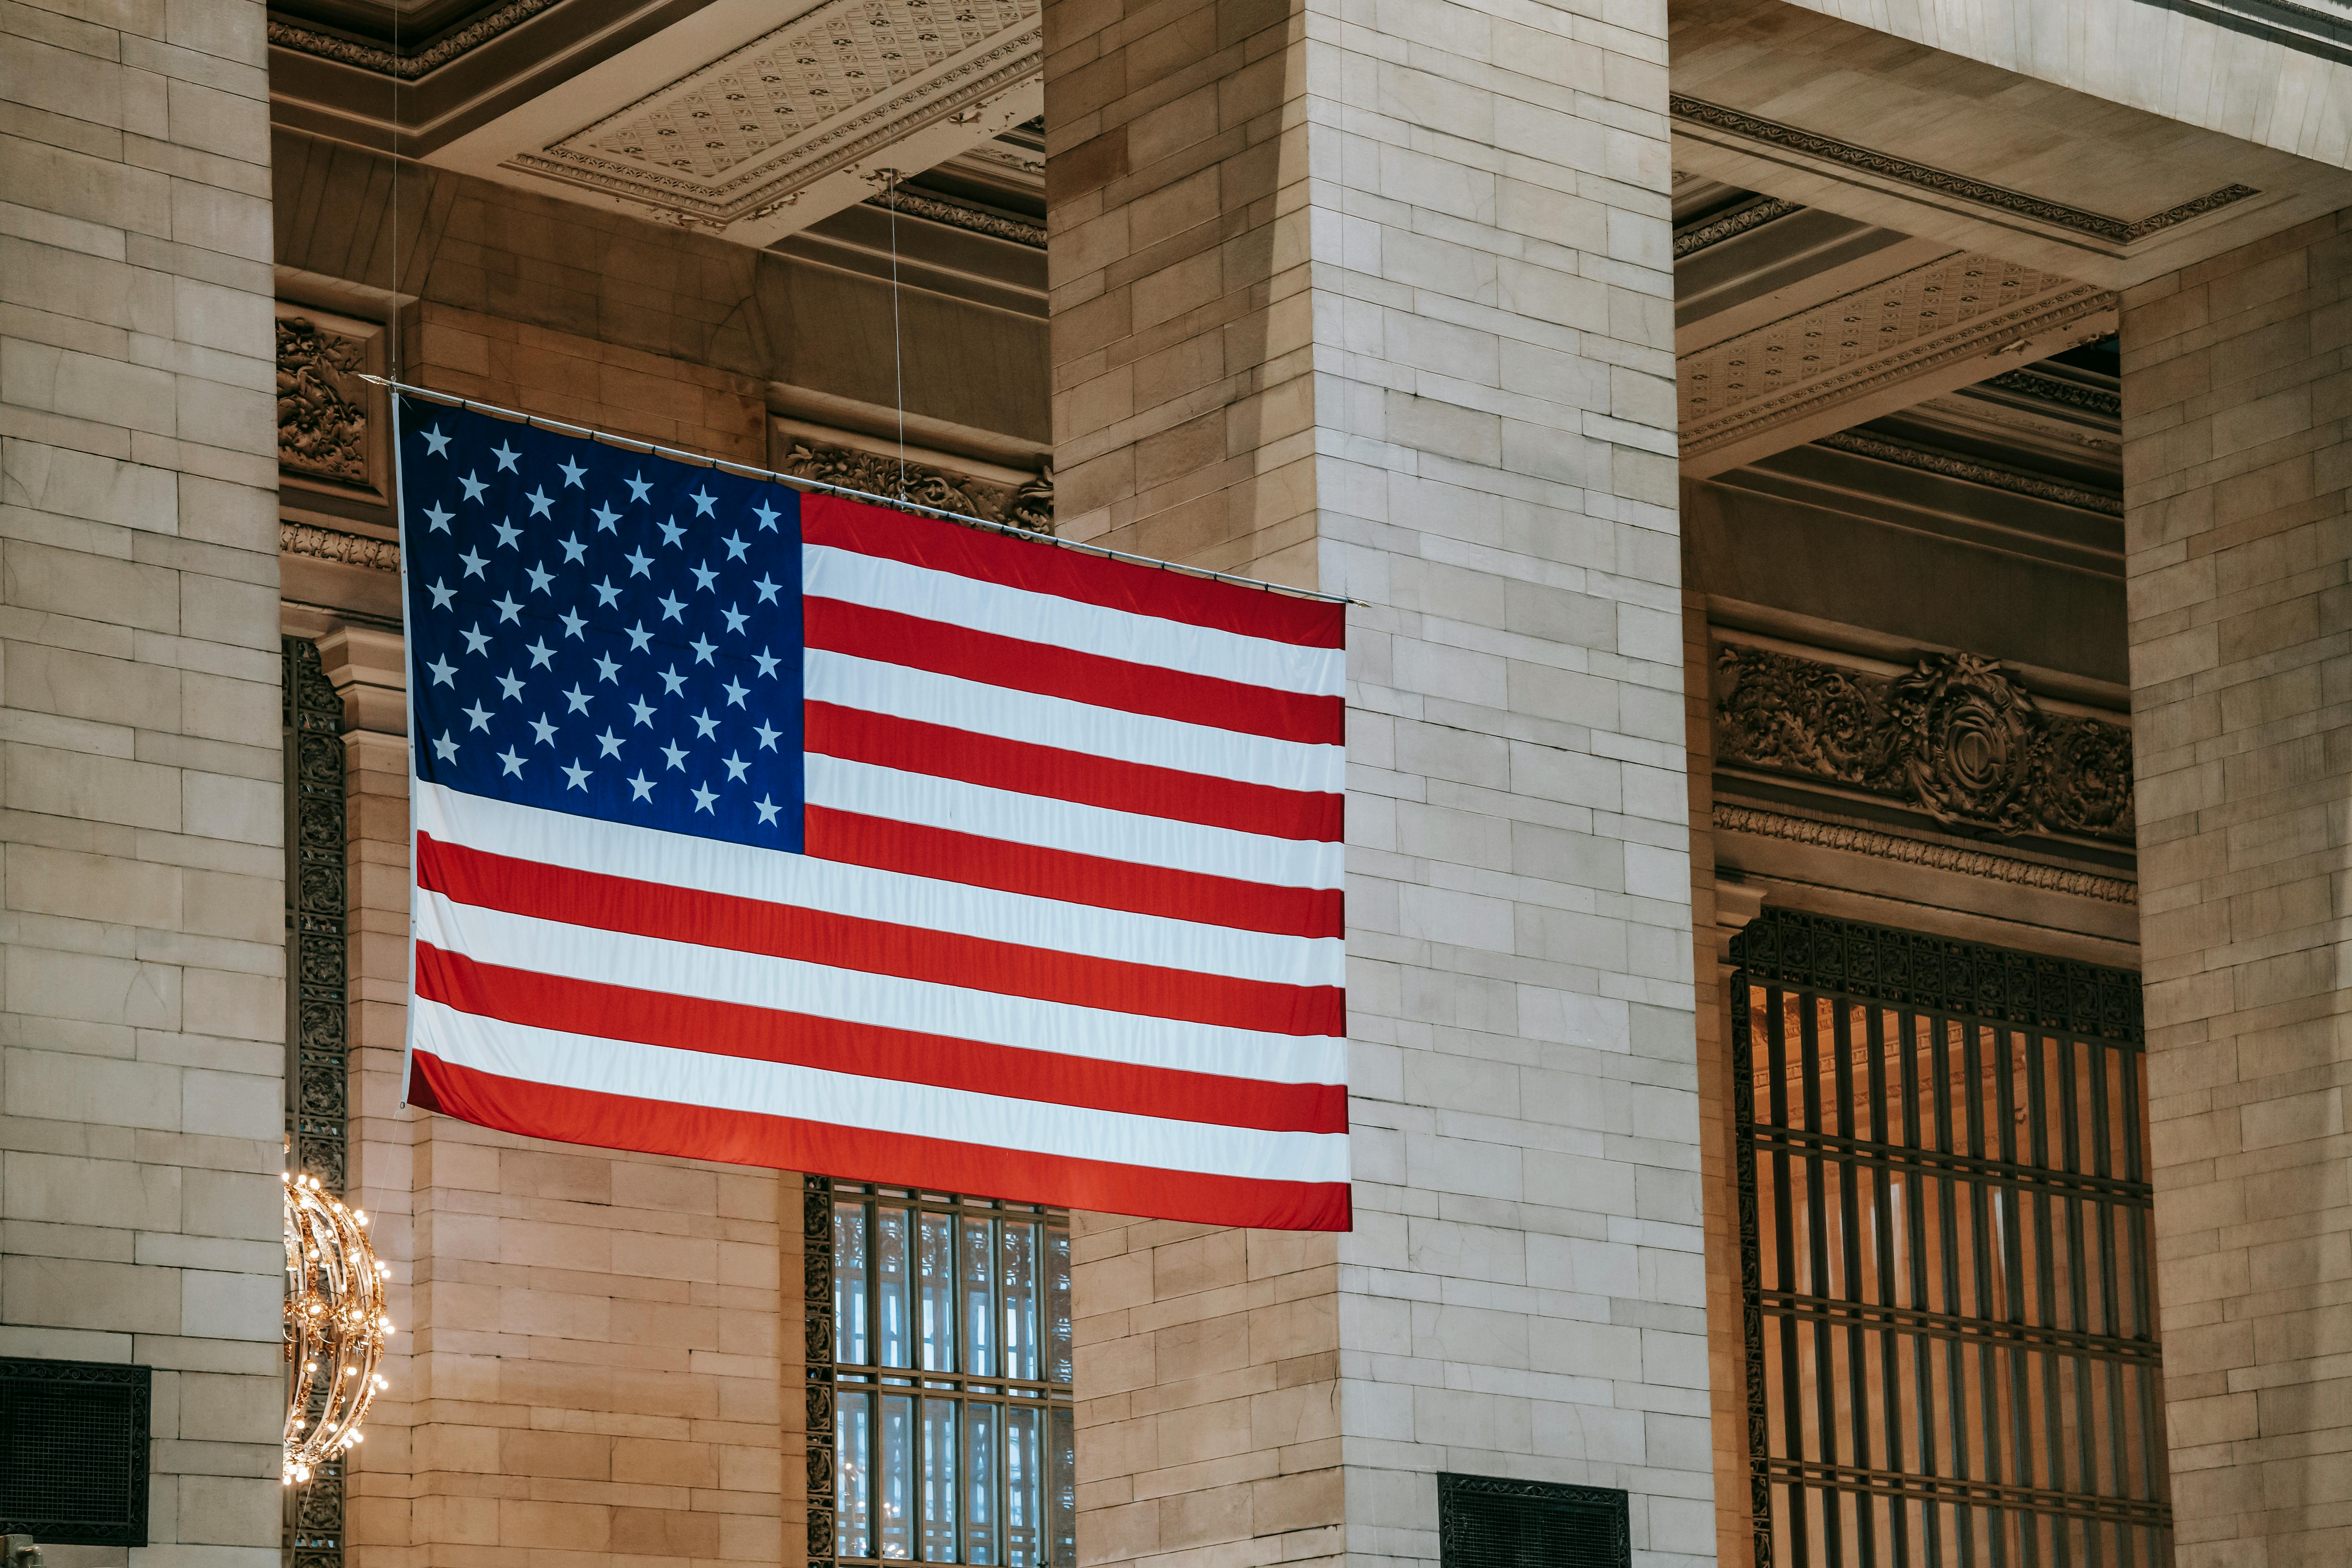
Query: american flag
768, 828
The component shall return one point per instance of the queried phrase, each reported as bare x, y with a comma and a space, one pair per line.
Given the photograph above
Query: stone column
141, 1003
1386, 309
2237, 455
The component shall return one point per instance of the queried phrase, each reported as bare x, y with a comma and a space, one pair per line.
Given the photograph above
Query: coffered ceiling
739, 118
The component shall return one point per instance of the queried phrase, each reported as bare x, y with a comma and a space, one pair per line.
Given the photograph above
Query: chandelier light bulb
334, 1317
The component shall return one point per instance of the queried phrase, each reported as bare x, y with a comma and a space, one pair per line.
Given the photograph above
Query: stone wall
2237, 459
1387, 311
141, 1028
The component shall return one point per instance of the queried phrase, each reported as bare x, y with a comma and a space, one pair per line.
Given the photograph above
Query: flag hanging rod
706, 460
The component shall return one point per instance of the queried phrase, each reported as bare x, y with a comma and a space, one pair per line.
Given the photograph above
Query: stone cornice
1856, 839
408, 67
1860, 444
1944, 182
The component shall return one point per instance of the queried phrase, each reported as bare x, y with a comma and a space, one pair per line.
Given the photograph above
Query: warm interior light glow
334, 1317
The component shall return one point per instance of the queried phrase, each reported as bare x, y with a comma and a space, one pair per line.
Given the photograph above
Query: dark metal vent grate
1488, 1521
73, 1452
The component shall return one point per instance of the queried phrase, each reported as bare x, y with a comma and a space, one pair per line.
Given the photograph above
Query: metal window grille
1945, 1249
1494, 1521
940, 1416
73, 1451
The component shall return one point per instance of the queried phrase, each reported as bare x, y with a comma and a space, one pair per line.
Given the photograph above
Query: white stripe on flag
981, 708
829, 573
883, 1105
776, 876
882, 1001
987, 812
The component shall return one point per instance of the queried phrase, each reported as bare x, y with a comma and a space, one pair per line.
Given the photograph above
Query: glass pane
935, 1274
897, 1478
979, 1270
938, 1480
979, 1485
852, 1480
850, 1330
1024, 1487
890, 1286
1058, 1304
1062, 1494
1020, 1270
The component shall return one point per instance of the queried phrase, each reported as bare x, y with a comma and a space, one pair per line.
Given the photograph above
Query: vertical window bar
1883, 1188
1857, 1355
2001, 1047
1956, 1355
1980, 1209
1915, 1221
1785, 1330
1818, 1221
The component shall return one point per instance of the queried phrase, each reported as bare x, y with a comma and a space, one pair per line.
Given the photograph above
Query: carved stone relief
1954, 737
1028, 506
328, 423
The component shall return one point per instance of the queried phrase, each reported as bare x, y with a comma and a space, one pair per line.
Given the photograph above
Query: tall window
1947, 1264
941, 1423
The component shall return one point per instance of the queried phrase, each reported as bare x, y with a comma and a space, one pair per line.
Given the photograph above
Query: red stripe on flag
916, 643
747, 1138
1069, 877
912, 746
1069, 574
872, 947
868, 1050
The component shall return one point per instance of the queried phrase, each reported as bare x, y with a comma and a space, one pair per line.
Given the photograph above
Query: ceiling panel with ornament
733, 124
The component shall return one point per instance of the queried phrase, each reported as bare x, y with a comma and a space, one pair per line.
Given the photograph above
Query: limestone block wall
2237, 457
142, 998
1380, 301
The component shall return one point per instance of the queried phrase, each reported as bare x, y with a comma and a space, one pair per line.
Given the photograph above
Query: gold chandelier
335, 1326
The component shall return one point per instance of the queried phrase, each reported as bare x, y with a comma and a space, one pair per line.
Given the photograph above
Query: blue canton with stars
597, 631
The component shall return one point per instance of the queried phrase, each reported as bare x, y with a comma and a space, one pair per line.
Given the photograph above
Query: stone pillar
1387, 310
2237, 455
142, 1005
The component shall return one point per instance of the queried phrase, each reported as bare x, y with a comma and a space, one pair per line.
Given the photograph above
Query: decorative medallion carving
1944, 183
323, 405
1028, 506
1954, 737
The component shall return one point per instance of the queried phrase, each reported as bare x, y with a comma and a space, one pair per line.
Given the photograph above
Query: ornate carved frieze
1954, 737
1943, 182
879, 475
2034, 383
328, 544
322, 405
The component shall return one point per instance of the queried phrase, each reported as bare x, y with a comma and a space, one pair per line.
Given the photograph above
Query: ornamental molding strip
1961, 308
878, 474
1944, 183
413, 65
347, 548
1861, 444
1856, 839
957, 215
1732, 225
740, 137
2046, 388
1955, 738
